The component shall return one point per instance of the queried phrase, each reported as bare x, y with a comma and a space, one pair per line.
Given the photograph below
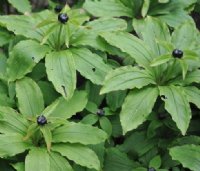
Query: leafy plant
99, 85
173, 12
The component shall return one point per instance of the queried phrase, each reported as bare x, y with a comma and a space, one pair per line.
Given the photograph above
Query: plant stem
59, 37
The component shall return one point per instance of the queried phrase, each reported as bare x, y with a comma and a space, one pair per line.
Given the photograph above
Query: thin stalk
59, 37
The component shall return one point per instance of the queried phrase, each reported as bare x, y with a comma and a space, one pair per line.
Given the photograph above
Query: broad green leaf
136, 108
115, 99
80, 154
155, 162
105, 25
187, 155
47, 136
29, 97
145, 7
25, 25
127, 77
193, 95
5, 37
48, 91
13, 120
109, 8
115, 160
106, 125
61, 72
141, 144
177, 105
131, 45
59, 163
37, 159
184, 36
153, 31
79, 133
161, 60
191, 77
24, 56
12, 144
90, 65
19, 166
23, 6
67, 108
90, 119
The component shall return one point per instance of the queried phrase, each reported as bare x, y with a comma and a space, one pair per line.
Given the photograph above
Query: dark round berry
58, 8
177, 53
41, 120
151, 169
63, 18
100, 112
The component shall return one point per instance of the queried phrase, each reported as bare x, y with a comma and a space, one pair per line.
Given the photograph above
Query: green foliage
99, 85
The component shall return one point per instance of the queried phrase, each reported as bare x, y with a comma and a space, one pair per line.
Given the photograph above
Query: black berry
58, 8
63, 18
177, 53
100, 112
151, 169
41, 120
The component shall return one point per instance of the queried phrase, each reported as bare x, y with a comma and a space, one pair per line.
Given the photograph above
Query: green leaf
127, 77
61, 72
3, 65
37, 159
5, 37
109, 8
115, 99
29, 97
115, 160
145, 7
191, 77
47, 136
184, 36
25, 25
106, 125
19, 166
155, 162
184, 67
187, 155
177, 105
24, 56
137, 107
90, 65
59, 163
131, 45
161, 60
153, 31
67, 108
105, 25
13, 120
90, 119
79, 154
12, 144
193, 95
23, 6
79, 133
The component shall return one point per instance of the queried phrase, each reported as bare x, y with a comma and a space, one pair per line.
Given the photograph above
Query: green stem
169, 72
59, 37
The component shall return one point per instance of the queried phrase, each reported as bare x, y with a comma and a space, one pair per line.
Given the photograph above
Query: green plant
108, 85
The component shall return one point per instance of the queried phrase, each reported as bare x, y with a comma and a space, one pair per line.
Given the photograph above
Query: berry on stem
100, 112
63, 18
58, 8
41, 120
151, 169
177, 53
